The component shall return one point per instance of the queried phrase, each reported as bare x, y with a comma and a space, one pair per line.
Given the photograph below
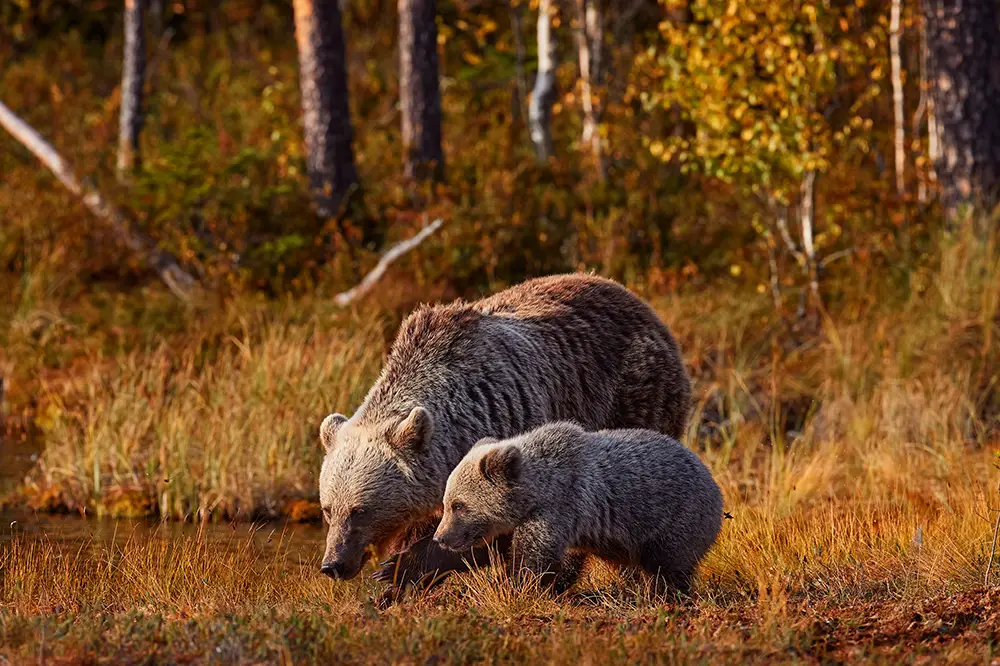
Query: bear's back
556, 295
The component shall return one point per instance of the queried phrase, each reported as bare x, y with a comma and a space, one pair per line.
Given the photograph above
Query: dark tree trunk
133, 78
963, 63
325, 113
420, 95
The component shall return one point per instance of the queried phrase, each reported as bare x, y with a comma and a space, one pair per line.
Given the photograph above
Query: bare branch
589, 32
161, 53
521, 55
392, 254
625, 17
834, 256
176, 278
781, 220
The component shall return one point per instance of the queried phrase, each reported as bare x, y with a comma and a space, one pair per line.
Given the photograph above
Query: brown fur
575, 347
634, 497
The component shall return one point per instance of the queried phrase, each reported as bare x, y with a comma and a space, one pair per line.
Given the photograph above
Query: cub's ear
486, 440
414, 432
502, 465
328, 430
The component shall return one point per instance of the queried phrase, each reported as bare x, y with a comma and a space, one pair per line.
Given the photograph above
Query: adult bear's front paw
414, 566
388, 570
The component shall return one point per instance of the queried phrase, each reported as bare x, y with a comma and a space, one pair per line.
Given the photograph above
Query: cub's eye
356, 512
458, 506
326, 514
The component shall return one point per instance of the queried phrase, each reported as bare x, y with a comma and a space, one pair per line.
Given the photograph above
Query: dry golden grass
214, 428
858, 465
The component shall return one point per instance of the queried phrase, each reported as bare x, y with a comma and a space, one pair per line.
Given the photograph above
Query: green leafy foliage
771, 90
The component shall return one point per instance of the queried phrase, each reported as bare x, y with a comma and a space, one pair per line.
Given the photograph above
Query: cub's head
371, 485
484, 496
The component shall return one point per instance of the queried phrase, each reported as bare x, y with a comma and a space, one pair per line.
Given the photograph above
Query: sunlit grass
223, 427
858, 466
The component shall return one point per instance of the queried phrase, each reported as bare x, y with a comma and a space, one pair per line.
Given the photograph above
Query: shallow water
302, 542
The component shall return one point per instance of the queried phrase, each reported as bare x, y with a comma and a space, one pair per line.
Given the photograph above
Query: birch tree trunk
589, 31
543, 96
133, 79
806, 221
899, 142
325, 113
924, 113
420, 95
963, 44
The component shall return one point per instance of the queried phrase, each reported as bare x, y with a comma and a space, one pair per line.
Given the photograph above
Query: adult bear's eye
326, 515
458, 506
356, 512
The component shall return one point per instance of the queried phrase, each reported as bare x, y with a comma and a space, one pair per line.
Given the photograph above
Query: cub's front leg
538, 549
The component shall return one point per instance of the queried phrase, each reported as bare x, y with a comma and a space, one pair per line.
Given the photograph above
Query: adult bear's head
377, 478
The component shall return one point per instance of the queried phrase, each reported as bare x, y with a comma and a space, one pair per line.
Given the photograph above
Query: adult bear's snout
334, 570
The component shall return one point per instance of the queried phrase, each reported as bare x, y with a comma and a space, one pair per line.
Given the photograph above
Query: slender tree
589, 33
156, 11
963, 62
899, 134
133, 79
325, 113
420, 94
543, 96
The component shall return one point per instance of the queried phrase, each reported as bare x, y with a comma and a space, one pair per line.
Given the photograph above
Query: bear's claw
387, 570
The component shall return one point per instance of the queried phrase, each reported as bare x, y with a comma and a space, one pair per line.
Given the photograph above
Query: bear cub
632, 497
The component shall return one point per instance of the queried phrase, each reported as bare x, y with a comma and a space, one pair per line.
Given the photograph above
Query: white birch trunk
133, 79
544, 94
589, 33
899, 141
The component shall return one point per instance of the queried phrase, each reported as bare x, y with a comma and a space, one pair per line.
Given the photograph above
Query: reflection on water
303, 543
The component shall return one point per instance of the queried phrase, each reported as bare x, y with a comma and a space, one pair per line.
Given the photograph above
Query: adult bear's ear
414, 432
501, 465
486, 440
328, 430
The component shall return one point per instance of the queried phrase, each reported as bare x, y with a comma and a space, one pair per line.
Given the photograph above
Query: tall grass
892, 405
214, 428
184, 575
857, 466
